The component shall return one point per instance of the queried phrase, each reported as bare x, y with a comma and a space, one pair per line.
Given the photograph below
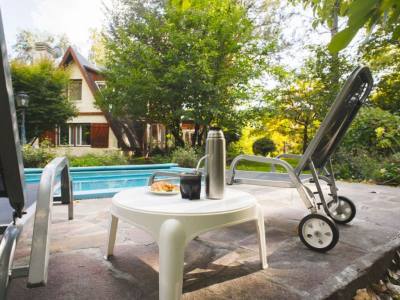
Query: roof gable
90, 72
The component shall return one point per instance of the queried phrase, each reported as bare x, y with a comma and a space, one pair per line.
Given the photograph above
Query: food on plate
163, 186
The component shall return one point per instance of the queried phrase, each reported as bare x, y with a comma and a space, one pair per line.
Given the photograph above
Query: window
101, 84
64, 135
82, 134
75, 89
74, 135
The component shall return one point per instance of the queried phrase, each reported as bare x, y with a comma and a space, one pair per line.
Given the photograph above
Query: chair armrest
286, 155
267, 160
289, 155
171, 175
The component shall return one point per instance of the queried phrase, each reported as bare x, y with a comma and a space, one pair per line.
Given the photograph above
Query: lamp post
22, 100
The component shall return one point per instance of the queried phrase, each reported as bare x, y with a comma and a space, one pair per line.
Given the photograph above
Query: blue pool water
101, 182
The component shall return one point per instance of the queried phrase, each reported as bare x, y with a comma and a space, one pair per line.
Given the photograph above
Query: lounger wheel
318, 232
344, 212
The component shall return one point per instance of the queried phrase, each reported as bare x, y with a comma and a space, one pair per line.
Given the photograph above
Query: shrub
389, 173
37, 157
234, 149
232, 136
185, 157
375, 130
263, 146
355, 165
157, 151
107, 158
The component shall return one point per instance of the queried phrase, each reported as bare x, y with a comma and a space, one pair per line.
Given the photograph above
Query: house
92, 128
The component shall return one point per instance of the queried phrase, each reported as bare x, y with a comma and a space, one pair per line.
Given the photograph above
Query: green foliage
374, 130
390, 171
38, 157
157, 151
304, 98
192, 61
97, 47
371, 148
108, 158
45, 84
233, 149
360, 14
356, 165
263, 167
156, 159
363, 166
382, 52
263, 146
185, 157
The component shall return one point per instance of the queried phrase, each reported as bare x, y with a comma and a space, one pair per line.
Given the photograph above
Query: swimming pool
103, 182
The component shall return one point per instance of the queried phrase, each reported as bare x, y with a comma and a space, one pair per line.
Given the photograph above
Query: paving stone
77, 275
220, 264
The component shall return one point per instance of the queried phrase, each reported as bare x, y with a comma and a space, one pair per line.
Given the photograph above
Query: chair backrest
11, 166
342, 112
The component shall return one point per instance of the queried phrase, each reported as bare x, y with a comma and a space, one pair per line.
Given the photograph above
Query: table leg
171, 247
261, 237
112, 234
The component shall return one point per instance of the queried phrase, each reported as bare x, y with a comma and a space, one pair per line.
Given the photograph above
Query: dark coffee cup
190, 184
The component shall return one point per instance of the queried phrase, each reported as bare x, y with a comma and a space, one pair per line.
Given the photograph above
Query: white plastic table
173, 222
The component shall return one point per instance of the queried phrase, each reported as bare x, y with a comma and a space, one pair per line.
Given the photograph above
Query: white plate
164, 193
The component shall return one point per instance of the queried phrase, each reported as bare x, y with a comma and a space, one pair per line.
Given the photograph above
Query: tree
191, 60
327, 14
382, 53
263, 146
360, 14
26, 40
45, 84
305, 98
97, 48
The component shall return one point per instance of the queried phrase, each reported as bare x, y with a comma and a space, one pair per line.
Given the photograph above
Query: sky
76, 17
72, 17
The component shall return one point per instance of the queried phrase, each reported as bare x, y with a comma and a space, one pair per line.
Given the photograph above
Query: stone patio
221, 264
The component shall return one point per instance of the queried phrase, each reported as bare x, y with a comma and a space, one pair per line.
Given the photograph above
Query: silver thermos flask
215, 164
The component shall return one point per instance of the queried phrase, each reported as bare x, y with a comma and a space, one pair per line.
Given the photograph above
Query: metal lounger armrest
285, 155
170, 175
261, 159
290, 170
41, 230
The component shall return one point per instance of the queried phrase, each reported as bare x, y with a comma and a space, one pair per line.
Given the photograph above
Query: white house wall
87, 105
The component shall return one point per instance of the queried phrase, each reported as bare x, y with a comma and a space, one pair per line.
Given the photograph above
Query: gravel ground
387, 288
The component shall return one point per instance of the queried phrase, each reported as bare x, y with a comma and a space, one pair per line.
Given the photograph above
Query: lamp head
22, 99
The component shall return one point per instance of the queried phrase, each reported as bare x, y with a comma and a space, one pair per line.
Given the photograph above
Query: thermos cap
215, 132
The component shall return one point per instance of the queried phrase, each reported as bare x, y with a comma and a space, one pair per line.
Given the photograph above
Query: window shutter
48, 135
99, 135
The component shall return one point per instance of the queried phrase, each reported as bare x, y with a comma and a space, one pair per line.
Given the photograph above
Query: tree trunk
305, 137
200, 136
195, 135
117, 129
334, 30
335, 18
130, 129
177, 133
134, 138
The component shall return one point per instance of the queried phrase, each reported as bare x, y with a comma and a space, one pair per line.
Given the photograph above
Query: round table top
142, 200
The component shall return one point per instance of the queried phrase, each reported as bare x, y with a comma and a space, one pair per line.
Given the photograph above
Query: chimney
42, 50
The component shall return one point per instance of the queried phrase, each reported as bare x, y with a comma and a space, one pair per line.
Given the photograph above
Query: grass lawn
262, 167
243, 165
